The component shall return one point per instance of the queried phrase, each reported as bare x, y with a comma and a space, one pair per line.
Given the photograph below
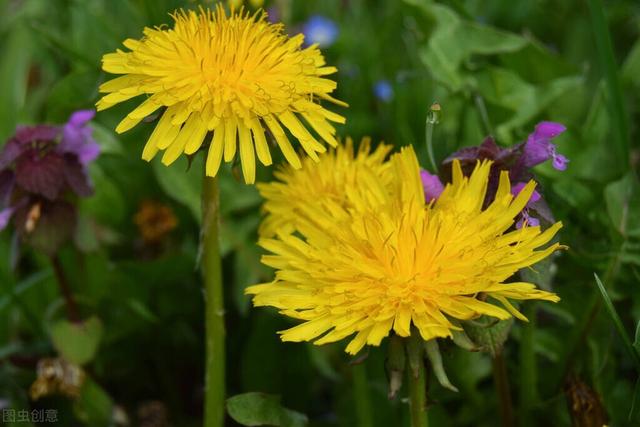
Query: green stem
502, 389
429, 139
606, 57
418, 396
361, 395
484, 115
528, 380
214, 306
433, 117
65, 290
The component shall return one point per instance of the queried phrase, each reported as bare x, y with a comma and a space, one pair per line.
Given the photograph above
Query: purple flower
77, 137
5, 216
539, 148
527, 219
383, 90
40, 164
432, 185
320, 30
525, 216
516, 189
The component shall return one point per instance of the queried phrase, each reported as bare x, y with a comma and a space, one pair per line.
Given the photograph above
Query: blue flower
320, 30
383, 90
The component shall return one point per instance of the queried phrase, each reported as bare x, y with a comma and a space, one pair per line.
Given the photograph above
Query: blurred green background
495, 67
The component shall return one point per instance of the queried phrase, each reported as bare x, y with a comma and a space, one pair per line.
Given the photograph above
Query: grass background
519, 62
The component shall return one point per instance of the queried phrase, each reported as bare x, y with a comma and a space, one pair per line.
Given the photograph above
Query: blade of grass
618, 323
607, 62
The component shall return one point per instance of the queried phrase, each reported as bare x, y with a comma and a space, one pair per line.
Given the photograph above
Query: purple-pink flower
525, 217
538, 147
40, 164
432, 185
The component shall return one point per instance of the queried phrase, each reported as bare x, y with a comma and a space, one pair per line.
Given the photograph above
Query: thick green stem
528, 378
432, 120
361, 395
418, 396
502, 389
214, 306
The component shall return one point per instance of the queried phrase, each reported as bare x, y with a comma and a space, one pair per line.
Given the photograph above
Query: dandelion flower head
402, 262
234, 76
292, 200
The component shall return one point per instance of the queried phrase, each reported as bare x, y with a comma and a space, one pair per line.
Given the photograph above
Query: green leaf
319, 357
454, 41
236, 196
182, 182
635, 403
247, 271
257, 409
630, 71
14, 71
77, 342
109, 142
615, 318
94, 406
543, 96
573, 192
85, 236
23, 286
107, 204
76, 90
607, 61
142, 310
623, 204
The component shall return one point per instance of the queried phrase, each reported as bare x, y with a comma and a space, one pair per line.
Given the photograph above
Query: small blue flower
320, 30
383, 90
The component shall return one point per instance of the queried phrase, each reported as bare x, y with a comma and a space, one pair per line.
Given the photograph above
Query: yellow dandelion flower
290, 203
399, 262
235, 76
